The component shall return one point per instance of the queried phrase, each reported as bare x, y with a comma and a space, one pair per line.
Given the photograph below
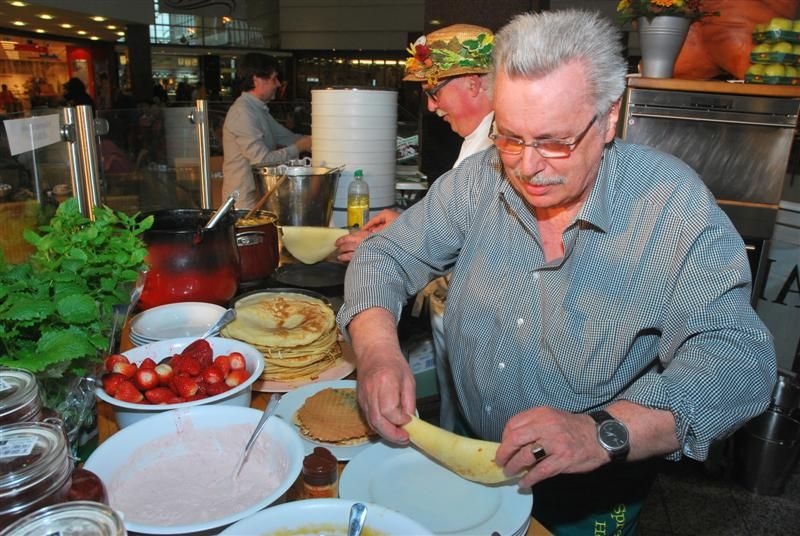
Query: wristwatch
612, 435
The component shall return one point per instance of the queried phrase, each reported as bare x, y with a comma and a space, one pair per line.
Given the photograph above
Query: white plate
292, 401
329, 516
340, 369
186, 319
404, 480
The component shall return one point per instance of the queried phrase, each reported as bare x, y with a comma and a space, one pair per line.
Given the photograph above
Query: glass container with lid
35, 468
20, 400
77, 517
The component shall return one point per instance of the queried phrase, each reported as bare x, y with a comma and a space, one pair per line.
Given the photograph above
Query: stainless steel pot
305, 197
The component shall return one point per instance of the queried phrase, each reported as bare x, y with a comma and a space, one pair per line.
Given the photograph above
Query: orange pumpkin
721, 44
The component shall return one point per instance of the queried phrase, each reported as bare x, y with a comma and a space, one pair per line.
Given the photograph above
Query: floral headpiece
450, 51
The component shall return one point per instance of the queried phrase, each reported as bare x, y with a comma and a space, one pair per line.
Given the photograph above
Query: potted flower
56, 307
662, 27
630, 10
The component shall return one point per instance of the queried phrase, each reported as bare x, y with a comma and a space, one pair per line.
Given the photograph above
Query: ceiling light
17, 3
45, 16
121, 34
111, 27
94, 38
66, 25
98, 18
19, 23
82, 32
40, 30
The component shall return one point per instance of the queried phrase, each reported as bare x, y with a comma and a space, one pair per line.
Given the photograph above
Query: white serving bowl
328, 516
168, 442
127, 413
186, 319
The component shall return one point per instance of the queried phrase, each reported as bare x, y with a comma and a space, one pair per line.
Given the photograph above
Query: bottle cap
358, 173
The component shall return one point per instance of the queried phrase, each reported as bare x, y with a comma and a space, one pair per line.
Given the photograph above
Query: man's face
448, 100
555, 107
266, 87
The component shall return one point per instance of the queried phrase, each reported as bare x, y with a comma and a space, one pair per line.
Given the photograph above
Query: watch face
613, 434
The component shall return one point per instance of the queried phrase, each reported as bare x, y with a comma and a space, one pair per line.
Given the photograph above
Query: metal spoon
226, 318
358, 514
136, 293
268, 411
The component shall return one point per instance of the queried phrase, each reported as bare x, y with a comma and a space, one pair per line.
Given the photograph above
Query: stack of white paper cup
356, 128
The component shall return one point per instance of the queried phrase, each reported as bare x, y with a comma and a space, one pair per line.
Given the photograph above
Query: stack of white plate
186, 319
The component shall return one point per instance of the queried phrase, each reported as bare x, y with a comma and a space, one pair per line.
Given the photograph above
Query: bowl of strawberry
178, 373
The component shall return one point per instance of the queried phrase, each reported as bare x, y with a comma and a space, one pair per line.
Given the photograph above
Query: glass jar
35, 468
20, 400
320, 474
79, 517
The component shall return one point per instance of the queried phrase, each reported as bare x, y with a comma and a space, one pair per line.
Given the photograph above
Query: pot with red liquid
187, 262
257, 240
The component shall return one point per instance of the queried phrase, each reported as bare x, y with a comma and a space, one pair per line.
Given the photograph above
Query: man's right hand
304, 144
386, 387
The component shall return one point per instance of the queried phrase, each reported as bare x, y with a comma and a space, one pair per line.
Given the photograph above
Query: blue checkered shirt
650, 303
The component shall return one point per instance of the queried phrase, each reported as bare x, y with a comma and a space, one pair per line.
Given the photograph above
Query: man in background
250, 135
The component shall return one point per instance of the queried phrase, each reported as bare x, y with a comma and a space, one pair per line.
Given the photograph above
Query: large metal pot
305, 197
257, 240
189, 263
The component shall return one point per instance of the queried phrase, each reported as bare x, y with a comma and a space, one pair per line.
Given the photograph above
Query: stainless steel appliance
738, 137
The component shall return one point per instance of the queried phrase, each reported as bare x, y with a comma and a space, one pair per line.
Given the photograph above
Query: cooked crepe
333, 416
310, 245
281, 320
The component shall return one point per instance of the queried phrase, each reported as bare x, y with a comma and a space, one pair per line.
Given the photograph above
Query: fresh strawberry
111, 381
237, 377
213, 374
159, 395
184, 386
201, 351
146, 379
165, 373
127, 392
213, 389
126, 369
186, 364
237, 361
223, 362
196, 396
147, 363
112, 359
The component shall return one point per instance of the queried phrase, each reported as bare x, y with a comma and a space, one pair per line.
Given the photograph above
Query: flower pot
660, 40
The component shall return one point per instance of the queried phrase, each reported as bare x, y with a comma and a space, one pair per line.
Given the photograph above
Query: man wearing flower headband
452, 64
598, 318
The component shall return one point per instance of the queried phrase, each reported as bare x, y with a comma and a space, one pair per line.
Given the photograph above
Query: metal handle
706, 119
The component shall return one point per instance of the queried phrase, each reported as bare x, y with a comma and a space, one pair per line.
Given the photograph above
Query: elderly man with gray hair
598, 316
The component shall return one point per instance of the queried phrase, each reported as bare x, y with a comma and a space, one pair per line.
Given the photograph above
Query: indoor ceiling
61, 22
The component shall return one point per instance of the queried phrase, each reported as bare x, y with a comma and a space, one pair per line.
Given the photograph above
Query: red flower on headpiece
422, 53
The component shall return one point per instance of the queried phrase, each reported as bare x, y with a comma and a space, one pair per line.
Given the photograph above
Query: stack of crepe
295, 332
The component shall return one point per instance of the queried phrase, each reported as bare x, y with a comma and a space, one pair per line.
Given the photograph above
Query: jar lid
320, 467
19, 391
77, 517
32, 455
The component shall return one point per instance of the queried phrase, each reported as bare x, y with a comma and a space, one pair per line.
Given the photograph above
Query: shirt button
487, 409
501, 366
535, 276
520, 321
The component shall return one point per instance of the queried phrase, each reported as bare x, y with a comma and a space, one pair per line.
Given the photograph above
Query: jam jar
79, 517
20, 400
35, 468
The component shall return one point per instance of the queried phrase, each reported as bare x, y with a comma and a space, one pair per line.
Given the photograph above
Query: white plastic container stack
357, 128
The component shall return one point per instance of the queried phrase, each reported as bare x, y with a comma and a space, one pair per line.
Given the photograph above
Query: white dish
127, 413
328, 516
125, 452
292, 401
186, 319
405, 480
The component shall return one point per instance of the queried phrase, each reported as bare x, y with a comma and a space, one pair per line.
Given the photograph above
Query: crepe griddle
322, 275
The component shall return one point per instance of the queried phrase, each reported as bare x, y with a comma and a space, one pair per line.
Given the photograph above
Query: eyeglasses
432, 91
546, 148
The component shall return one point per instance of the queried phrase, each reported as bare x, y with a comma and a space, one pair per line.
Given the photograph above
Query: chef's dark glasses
432, 91
547, 148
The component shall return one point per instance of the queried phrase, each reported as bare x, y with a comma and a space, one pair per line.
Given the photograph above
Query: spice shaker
320, 474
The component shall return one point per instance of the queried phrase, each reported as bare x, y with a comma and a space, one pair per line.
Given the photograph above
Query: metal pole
87, 142
199, 117
69, 135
